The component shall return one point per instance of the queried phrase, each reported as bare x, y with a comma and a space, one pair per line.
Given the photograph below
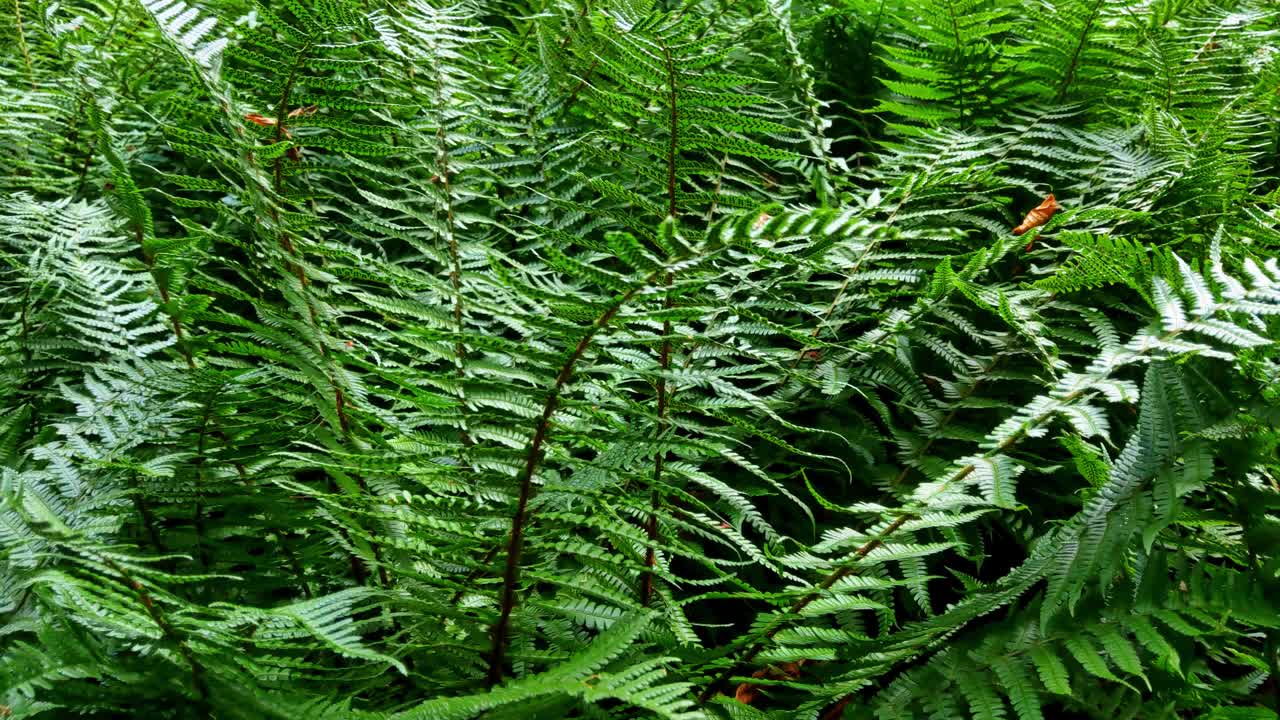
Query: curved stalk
515, 540
664, 355
339, 397
198, 683
757, 644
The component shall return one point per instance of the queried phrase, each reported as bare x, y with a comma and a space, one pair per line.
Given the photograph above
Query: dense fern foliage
447, 359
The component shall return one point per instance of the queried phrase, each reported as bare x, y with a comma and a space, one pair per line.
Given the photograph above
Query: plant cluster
448, 359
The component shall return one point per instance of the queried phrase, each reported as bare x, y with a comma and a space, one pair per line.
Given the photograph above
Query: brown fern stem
800, 604
167, 630
199, 461
163, 288
515, 540
209, 423
295, 265
664, 355
455, 268
848, 569
294, 564
659, 458
148, 519
955, 32
1069, 76
674, 130
937, 432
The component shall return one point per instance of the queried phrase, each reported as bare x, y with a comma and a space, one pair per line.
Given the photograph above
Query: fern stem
280, 531
659, 456
339, 397
515, 541
955, 31
721, 8
847, 569
282, 110
455, 260
144, 512
471, 576
28, 387
715, 193
455, 269
1273, 663
167, 630
115, 21
673, 134
294, 564
776, 626
22, 42
1069, 75
872, 245
937, 431
799, 66
208, 423
84, 169
199, 489
837, 711
958, 476
161, 287
282, 115
586, 79
664, 355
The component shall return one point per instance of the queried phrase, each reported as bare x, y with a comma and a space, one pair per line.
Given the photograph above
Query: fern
638, 359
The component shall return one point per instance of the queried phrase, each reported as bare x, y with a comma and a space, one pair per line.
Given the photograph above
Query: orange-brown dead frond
1039, 215
262, 120
748, 692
